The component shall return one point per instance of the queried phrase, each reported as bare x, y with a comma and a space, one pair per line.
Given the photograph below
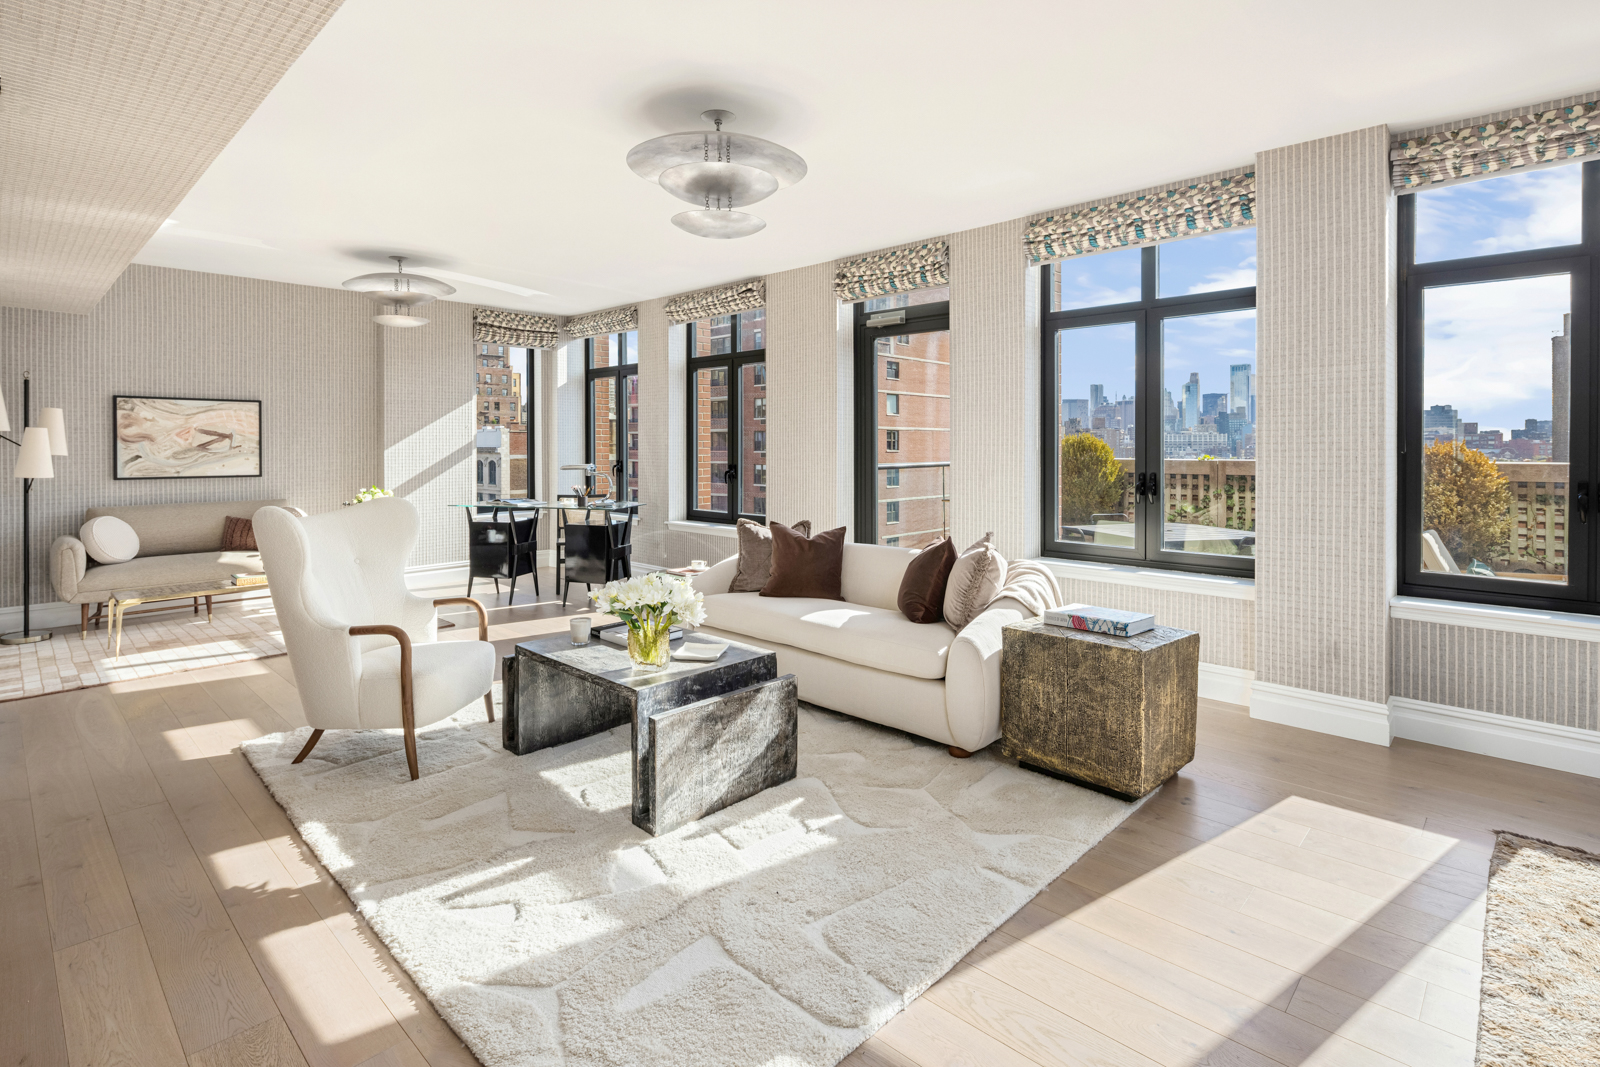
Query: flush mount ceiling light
717, 171
399, 293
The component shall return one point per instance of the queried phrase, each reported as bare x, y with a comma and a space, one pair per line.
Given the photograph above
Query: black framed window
503, 402
902, 373
611, 412
1498, 390
727, 417
1150, 405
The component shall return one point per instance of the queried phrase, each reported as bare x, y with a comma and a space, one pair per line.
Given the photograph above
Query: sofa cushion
922, 589
238, 535
872, 574
805, 567
856, 633
755, 554
976, 578
108, 539
148, 572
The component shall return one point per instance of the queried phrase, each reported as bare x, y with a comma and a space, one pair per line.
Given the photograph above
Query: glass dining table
503, 541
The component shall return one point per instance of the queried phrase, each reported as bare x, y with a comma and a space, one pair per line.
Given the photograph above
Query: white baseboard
49, 616
1359, 720
1228, 684
1560, 748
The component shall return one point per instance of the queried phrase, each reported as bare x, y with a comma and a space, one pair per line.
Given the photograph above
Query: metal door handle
1581, 499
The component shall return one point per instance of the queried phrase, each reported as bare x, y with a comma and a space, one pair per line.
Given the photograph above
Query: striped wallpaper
1544, 678
1326, 420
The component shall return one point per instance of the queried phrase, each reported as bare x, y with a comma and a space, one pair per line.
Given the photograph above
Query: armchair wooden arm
483, 616
407, 713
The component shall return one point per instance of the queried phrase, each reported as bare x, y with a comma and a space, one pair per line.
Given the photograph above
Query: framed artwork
169, 437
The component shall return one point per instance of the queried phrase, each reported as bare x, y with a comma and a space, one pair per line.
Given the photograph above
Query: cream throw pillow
977, 576
108, 539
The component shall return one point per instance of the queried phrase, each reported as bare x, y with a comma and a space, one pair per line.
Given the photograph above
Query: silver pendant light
718, 172
399, 293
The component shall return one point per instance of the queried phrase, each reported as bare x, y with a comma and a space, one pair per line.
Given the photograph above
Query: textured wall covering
1226, 626
994, 390
1325, 342
113, 111
310, 355
1521, 675
428, 449
655, 482
809, 407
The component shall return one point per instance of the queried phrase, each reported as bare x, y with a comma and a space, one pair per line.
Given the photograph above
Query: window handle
1582, 501
1138, 488
730, 473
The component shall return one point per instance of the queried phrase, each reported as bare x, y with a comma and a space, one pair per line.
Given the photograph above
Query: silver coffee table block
700, 758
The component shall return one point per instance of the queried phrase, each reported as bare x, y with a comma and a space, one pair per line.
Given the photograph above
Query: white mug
580, 629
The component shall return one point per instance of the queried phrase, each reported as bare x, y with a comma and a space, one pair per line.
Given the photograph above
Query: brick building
498, 388
913, 400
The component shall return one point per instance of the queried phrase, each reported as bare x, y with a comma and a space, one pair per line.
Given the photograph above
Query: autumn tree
1467, 501
1092, 481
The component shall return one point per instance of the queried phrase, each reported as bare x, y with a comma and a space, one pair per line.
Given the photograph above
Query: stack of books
249, 579
1100, 620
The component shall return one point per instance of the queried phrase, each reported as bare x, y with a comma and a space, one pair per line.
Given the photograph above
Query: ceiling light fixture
399, 293
718, 171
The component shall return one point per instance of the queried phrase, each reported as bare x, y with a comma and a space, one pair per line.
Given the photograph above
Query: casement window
727, 404
891, 512
1499, 436
891, 440
891, 478
1149, 419
891, 369
613, 379
891, 402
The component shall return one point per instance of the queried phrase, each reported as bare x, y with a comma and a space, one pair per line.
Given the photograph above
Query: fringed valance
1181, 211
495, 327
721, 300
616, 320
925, 266
1546, 137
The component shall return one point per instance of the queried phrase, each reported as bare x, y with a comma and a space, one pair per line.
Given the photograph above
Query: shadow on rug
1541, 956
786, 929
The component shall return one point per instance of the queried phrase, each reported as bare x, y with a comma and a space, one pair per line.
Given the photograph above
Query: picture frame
184, 437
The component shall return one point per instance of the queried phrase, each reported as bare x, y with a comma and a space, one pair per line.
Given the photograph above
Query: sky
1209, 344
1486, 346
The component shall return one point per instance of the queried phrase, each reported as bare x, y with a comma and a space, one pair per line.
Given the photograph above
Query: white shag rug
782, 931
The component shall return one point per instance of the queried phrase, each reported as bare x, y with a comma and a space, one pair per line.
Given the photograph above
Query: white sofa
861, 656
178, 544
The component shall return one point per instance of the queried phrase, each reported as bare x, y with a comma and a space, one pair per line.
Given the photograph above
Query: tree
1467, 501
1092, 481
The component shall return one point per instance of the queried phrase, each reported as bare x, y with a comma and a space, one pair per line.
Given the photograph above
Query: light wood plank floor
1288, 899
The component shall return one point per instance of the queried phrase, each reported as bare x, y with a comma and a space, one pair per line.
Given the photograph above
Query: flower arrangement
369, 494
650, 604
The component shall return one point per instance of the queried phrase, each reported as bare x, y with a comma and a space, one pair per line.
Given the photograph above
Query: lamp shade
52, 419
34, 462
5, 420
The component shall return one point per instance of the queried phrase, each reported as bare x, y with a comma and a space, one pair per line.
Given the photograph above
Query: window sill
690, 526
1152, 578
1566, 625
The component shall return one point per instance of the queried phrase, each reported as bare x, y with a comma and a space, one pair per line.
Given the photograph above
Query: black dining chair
502, 548
597, 548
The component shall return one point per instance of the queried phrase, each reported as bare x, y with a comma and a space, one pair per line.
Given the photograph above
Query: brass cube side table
1115, 712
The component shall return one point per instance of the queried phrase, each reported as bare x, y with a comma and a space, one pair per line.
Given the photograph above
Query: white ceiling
487, 138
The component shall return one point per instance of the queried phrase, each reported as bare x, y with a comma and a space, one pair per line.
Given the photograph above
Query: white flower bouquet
365, 495
650, 604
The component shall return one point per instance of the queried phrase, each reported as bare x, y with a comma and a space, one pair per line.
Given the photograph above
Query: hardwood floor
1288, 899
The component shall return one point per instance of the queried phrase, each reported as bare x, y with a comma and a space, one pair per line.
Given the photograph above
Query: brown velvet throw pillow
238, 535
921, 596
755, 555
805, 566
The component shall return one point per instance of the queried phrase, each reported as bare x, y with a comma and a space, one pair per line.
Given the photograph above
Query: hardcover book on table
1100, 620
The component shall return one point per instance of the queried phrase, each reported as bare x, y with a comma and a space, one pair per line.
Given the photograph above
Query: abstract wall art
166, 437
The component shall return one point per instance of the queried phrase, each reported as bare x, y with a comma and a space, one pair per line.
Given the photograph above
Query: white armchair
364, 650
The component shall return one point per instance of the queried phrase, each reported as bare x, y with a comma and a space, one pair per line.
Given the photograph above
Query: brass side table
123, 599
1115, 712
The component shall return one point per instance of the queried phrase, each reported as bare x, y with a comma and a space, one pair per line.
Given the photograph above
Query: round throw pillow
108, 539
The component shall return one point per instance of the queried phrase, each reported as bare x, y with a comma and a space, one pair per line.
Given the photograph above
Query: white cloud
1486, 348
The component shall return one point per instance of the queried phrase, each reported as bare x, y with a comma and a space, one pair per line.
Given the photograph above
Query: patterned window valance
1182, 211
925, 266
1547, 137
495, 327
722, 300
616, 320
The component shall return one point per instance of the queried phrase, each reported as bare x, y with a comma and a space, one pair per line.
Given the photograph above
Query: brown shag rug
1541, 956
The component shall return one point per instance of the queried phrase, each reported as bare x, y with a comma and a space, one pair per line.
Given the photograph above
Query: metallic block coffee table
705, 735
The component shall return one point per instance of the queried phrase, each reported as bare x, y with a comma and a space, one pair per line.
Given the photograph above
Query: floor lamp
38, 444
